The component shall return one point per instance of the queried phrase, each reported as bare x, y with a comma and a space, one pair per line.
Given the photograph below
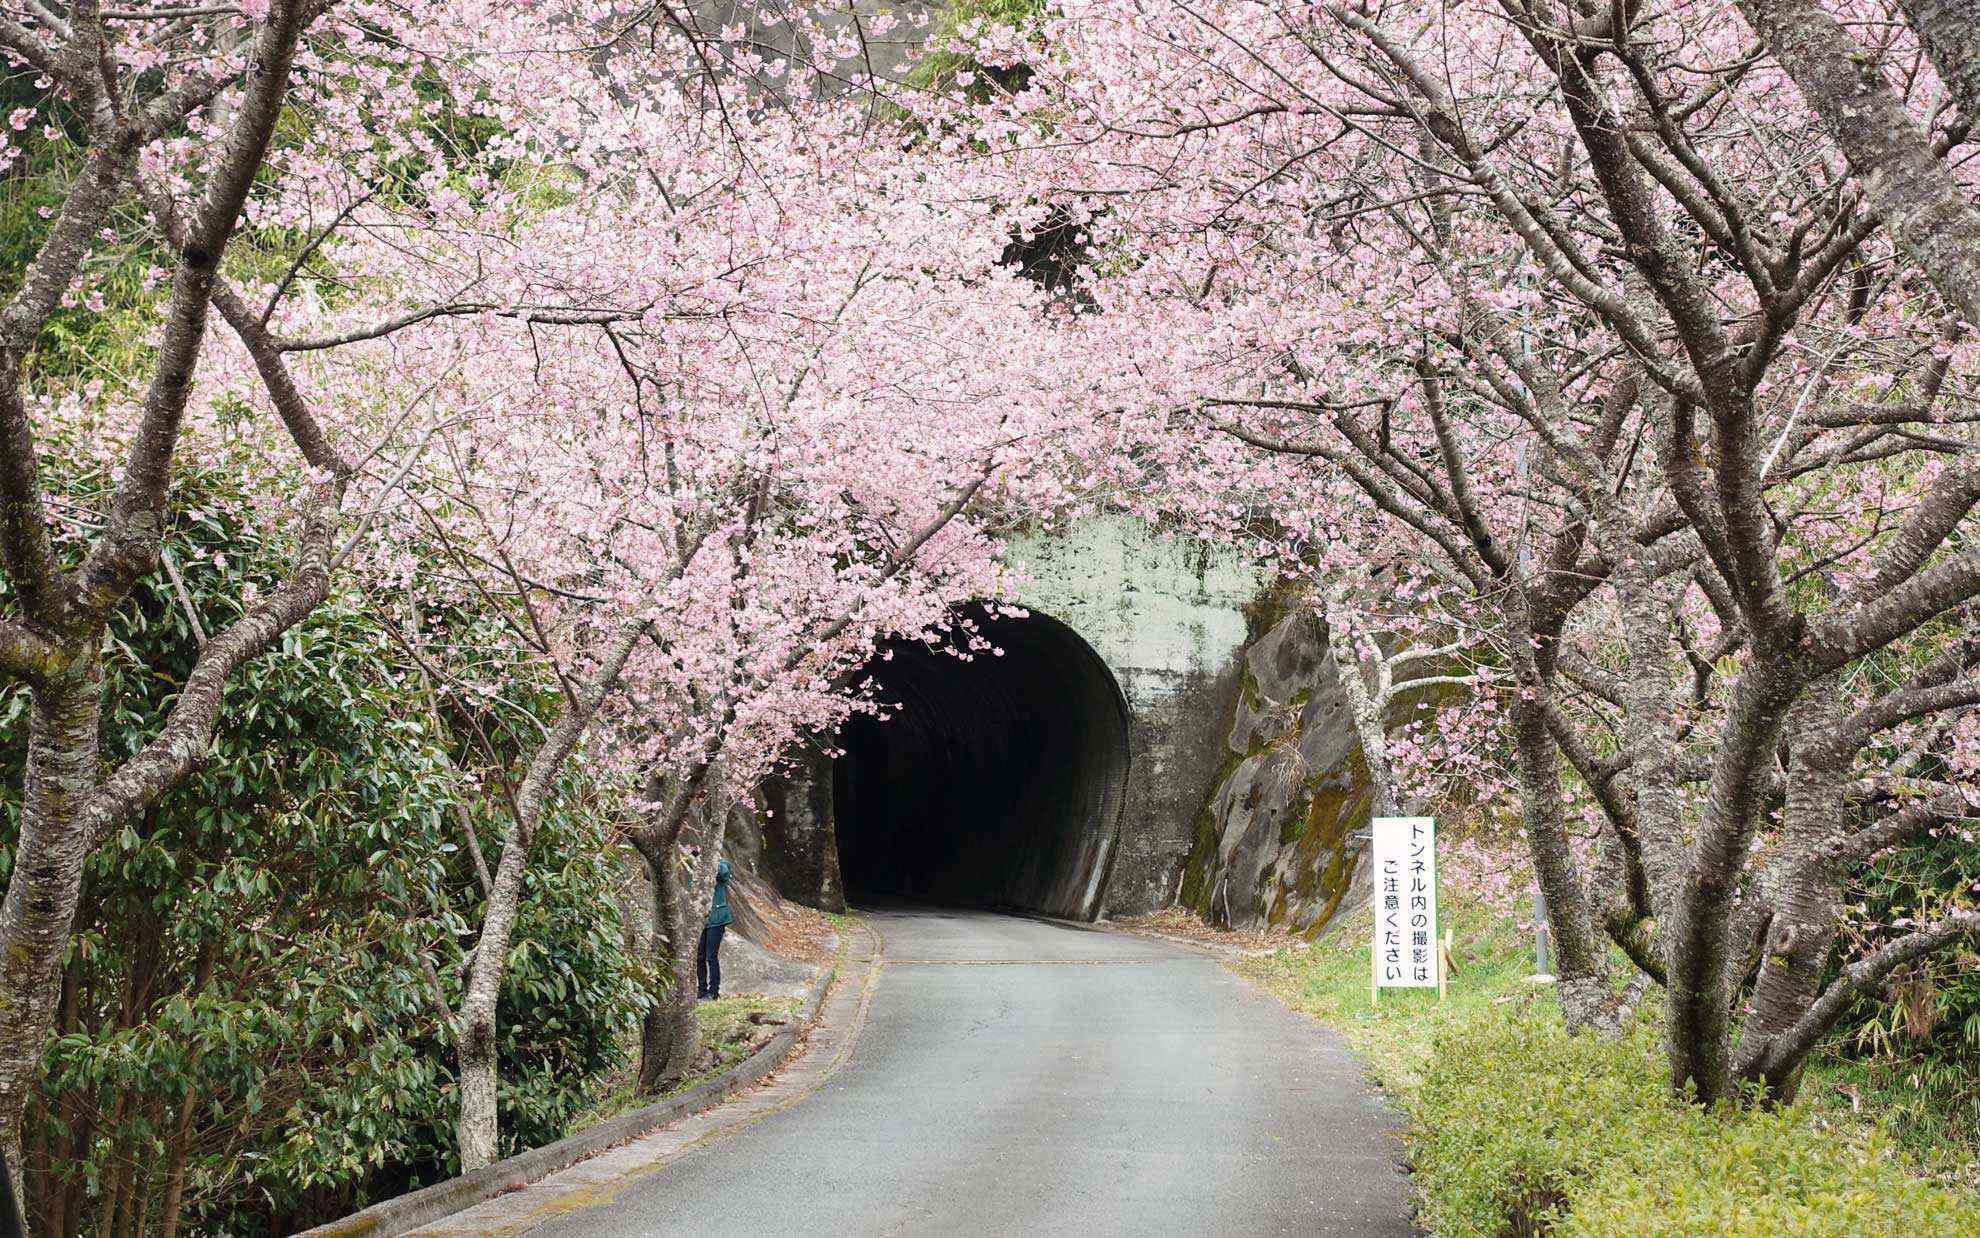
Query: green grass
727, 1031
1927, 1106
1888, 1103
727, 1037
1329, 980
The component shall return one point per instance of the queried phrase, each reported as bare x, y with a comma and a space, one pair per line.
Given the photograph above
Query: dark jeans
708, 961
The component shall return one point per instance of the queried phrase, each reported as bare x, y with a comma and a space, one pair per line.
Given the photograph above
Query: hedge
1522, 1129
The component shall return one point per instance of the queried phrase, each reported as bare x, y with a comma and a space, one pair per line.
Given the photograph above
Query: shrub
244, 1042
1512, 1113
1521, 1128
1762, 1172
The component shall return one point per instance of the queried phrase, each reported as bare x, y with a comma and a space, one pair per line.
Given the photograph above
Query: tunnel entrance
996, 779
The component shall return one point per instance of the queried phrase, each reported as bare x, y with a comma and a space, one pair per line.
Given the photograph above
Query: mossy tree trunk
670, 1034
682, 887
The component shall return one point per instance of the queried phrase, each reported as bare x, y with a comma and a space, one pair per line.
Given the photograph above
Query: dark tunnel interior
996, 780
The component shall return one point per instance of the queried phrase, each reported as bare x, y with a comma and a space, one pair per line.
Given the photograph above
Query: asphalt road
1017, 1076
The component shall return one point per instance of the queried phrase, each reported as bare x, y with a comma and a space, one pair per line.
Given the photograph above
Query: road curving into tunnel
1014, 1075
996, 775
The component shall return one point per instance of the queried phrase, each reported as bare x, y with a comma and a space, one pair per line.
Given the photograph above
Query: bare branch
172, 14
1911, 820
1935, 518
182, 742
1846, 634
303, 255
554, 316
23, 43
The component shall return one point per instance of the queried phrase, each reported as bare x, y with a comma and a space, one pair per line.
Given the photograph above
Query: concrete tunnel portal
996, 779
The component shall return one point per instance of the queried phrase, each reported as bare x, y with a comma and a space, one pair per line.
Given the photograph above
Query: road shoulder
599, 1180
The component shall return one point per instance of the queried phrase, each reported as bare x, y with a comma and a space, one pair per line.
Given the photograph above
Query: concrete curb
404, 1213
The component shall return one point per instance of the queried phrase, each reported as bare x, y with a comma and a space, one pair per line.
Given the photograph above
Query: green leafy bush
1762, 1172
1520, 1128
245, 1041
1512, 1113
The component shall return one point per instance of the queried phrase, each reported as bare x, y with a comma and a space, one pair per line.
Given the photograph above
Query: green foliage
244, 1009
571, 995
1512, 1114
1516, 1126
1912, 1050
102, 333
1766, 1172
938, 68
1519, 1127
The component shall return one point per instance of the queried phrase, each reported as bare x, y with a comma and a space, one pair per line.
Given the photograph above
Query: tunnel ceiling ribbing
996, 780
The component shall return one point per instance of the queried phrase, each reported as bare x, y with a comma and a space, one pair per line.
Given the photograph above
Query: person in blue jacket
708, 959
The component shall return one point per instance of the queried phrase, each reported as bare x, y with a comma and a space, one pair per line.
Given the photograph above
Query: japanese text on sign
1405, 859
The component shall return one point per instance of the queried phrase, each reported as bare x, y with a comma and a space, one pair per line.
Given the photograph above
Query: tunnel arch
996, 779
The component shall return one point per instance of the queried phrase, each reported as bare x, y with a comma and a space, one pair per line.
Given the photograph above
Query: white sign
1405, 858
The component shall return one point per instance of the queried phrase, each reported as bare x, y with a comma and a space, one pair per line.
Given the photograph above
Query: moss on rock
1276, 832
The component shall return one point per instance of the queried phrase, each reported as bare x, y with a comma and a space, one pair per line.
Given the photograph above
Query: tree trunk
124, 1149
46, 886
670, 1034
1700, 934
1370, 727
113, 1189
1582, 960
144, 1172
48, 1169
477, 1127
180, 1145
1949, 31
1808, 903
1581, 956
174, 1201
1651, 733
61, 1175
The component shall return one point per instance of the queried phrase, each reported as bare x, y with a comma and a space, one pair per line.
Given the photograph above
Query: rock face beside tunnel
1275, 841
1243, 787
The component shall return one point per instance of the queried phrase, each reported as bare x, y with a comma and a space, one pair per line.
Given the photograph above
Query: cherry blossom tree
1425, 659
232, 148
561, 302
1893, 150
723, 396
1585, 306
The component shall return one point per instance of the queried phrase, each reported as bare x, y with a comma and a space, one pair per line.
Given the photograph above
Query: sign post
1407, 951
